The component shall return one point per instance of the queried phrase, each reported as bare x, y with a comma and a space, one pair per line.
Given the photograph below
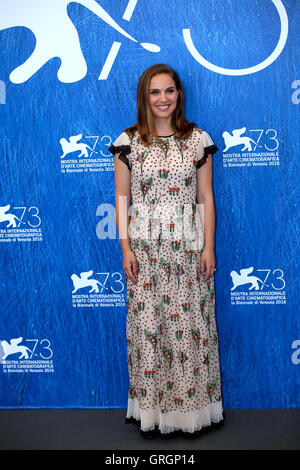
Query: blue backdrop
69, 73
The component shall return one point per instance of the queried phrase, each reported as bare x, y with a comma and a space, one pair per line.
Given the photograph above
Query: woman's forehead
161, 80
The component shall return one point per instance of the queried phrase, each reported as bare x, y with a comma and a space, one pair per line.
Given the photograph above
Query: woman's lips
163, 108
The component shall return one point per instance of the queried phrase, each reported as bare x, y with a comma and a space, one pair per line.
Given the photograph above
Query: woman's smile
163, 107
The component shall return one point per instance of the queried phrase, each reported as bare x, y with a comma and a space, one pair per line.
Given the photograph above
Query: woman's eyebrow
152, 89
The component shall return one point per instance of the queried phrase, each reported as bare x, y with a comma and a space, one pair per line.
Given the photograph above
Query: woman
164, 163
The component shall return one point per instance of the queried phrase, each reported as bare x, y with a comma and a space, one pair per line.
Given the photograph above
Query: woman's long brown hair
145, 122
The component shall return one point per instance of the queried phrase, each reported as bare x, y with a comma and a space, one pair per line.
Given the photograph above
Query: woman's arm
205, 196
122, 200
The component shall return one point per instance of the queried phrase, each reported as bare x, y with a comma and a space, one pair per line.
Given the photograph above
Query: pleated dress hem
192, 424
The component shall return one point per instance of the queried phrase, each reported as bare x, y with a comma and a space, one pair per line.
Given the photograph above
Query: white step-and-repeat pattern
68, 79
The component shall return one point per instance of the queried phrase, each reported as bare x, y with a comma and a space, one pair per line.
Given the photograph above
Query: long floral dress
172, 339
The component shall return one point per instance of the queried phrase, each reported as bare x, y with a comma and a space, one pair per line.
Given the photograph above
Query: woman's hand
130, 265
207, 261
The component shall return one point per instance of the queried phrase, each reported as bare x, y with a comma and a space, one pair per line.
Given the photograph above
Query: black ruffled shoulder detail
207, 150
123, 150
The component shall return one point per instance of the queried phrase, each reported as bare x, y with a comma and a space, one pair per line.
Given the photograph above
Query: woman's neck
164, 128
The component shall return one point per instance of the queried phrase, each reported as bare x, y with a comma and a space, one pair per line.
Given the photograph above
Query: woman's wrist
125, 248
209, 246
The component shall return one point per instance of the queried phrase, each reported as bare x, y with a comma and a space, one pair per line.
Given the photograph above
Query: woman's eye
154, 92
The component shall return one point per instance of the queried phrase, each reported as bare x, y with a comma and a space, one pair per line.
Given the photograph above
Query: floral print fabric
172, 339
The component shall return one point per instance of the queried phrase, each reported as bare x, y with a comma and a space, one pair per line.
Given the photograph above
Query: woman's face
162, 95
